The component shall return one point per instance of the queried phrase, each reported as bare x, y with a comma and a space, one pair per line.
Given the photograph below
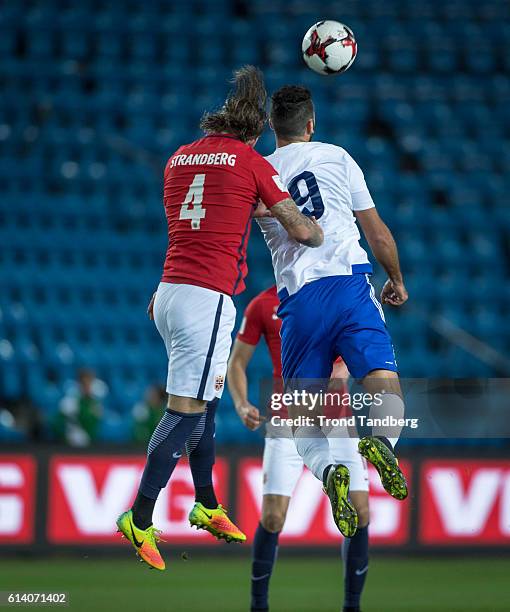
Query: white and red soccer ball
329, 47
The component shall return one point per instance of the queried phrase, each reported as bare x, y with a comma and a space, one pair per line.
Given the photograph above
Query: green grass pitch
212, 584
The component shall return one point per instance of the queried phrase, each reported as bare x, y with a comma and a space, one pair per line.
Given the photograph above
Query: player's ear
310, 127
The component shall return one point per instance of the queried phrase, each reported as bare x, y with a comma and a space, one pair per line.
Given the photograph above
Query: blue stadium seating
97, 95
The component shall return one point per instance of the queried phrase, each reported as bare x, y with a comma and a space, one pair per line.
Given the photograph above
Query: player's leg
308, 353
379, 448
355, 554
185, 404
207, 513
386, 385
265, 547
354, 549
306, 359
201, 452
365, 345
165, 449
195, 324
282, 467
180, 419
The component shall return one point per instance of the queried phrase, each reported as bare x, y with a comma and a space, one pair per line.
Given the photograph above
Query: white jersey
327, 183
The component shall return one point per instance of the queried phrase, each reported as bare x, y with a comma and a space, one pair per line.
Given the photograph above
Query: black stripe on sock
212, 344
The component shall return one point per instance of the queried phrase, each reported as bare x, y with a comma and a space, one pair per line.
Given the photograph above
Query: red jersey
260, 319
211, 188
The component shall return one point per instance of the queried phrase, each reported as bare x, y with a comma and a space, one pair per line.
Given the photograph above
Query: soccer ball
329, 47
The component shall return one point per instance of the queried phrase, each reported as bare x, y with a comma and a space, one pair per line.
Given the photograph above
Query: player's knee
386, 381
273, 520
359, 500
363, 512
186, 405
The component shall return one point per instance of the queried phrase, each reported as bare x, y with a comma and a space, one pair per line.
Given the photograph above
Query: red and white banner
17, 499
389, 517
309, 519
465, 502
461, 502
87, 494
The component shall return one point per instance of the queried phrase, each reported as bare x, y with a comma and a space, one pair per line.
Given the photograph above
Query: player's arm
303, 229
340, 371
384, 248
150, 307
339, 376
238, 383
277, 199
378, 236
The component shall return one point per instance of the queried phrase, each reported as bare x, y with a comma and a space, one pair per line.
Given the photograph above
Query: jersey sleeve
251, 326
269, 185
360, 195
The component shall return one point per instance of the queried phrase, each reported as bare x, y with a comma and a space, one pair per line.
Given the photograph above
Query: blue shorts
331, 317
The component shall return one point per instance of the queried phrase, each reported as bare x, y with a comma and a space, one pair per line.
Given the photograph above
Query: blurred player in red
282, 465
211, 191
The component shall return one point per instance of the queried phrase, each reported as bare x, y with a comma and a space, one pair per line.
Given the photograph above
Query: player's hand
250, 416
394, 293
315, 222
150, 307
261, 210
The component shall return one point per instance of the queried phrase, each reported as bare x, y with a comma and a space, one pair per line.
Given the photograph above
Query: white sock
391, 405
313, 447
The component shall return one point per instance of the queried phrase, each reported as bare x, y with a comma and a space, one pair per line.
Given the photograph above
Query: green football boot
337, 489
383, 459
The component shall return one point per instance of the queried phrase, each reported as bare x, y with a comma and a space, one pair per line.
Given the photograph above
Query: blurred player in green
147, 413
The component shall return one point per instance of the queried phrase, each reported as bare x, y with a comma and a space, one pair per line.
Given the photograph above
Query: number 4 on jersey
194, 197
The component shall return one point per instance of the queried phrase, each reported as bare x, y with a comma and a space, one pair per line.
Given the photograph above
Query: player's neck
283, 142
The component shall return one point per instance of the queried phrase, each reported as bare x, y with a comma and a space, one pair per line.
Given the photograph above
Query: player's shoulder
251, 158
326, 146
189, 146
253, 154
336, 155
214, 149
217, 141
309, 149
329, 150
272, 156
268, 295
185, 149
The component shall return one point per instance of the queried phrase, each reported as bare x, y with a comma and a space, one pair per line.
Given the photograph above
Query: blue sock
164, 451
265, 548
201, 452
355, 556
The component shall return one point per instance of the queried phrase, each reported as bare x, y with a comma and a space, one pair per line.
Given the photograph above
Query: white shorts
196, 325
282, 465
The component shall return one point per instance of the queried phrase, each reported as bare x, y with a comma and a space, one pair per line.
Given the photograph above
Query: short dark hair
291, 109
244, 112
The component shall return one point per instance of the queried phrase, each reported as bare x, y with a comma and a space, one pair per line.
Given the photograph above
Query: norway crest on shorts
219, 381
